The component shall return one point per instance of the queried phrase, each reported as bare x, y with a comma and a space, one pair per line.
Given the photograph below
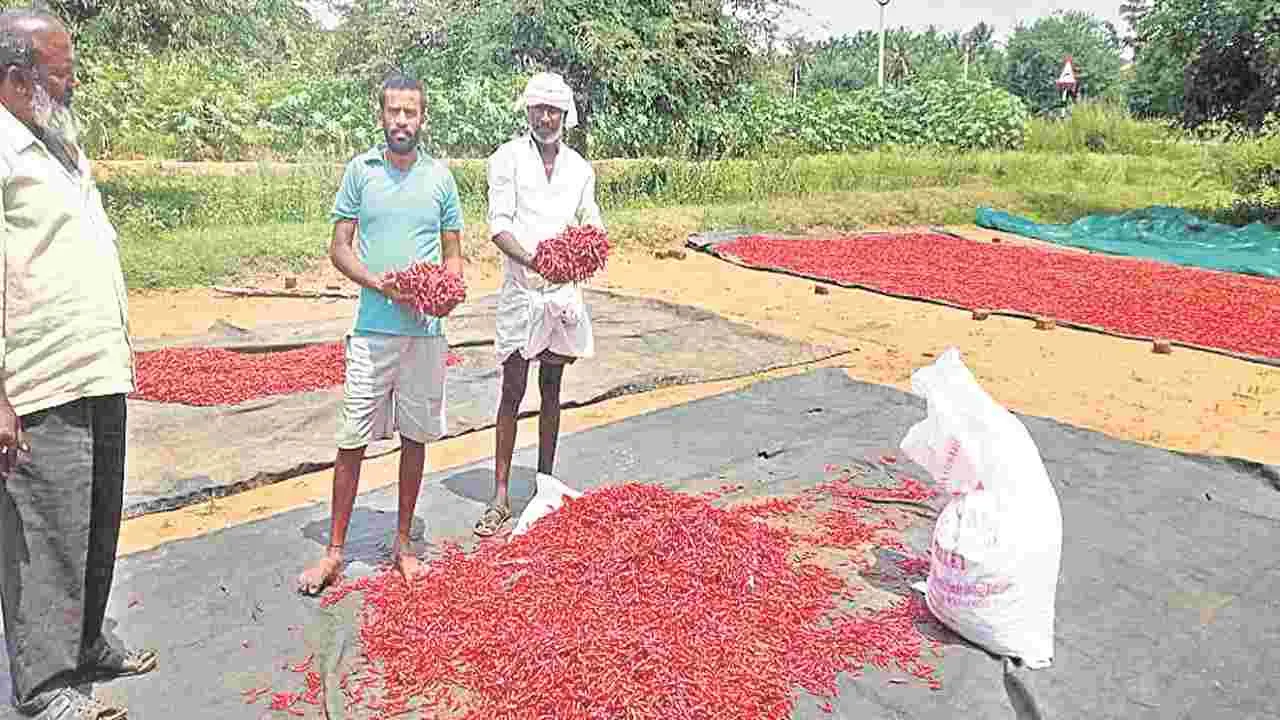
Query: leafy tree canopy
1035, 55
260, 29
1208, 61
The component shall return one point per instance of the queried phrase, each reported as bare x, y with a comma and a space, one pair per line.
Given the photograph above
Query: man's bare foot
321, 574
404, 560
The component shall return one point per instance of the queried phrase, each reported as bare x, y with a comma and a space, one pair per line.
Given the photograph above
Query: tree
1132, 11
1157, 86
981, 38
1035, 55
800, 57
850, 62
986, 60
1226, 56
263, 29
377, 36
657, 58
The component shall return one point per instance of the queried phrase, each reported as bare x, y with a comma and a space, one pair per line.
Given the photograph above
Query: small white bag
997, 546
548, 495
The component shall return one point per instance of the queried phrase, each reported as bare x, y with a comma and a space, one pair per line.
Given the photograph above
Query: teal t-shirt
400, 215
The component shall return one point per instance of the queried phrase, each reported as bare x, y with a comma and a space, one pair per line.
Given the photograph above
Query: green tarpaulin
1159, 233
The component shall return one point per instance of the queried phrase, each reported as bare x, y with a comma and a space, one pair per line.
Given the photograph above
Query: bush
756, 123
470, 117
1101, 127
215, 107
1252, 169
212, 107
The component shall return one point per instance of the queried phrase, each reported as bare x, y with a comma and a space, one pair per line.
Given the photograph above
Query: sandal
494, 517
115, 663
68, 704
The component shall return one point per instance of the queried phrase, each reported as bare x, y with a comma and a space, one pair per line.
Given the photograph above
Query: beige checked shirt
64, 331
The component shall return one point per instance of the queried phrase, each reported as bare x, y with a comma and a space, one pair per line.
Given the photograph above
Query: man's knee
349, 460
510, 402
550, 387
515, 377
549, 379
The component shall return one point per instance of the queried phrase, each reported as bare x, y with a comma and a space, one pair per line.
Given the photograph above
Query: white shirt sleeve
502, 192
5, 173
588, 210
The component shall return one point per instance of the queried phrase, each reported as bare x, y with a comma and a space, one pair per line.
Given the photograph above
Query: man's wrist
524, 257
364, 277
507, 243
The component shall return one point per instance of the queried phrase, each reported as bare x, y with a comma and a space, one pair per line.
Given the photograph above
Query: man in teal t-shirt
405, 206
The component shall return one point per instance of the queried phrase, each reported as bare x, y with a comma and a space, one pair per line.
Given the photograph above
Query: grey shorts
394, 383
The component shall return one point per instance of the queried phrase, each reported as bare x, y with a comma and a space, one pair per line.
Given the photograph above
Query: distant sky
824, 18
837, 17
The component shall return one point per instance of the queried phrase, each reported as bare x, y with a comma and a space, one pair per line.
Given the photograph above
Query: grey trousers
60, 517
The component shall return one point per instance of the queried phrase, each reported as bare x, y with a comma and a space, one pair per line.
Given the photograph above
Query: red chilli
1132, 296
637, 601
431, 289
215, 376
572, 256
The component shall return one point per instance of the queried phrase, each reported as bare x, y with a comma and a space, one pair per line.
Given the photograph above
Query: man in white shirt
538, 186
67, 366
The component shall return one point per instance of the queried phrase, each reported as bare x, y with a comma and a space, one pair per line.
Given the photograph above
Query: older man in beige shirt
67, 366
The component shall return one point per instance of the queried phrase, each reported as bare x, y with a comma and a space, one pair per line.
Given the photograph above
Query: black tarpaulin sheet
1166, 604
181, 454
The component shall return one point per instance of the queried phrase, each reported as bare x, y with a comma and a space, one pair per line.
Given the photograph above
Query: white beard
549, 139
55, 119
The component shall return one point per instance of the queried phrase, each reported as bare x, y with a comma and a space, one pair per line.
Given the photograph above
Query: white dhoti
531, 320
534, 320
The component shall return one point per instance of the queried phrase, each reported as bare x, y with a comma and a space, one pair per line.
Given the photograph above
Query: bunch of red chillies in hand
572, 256
430, 289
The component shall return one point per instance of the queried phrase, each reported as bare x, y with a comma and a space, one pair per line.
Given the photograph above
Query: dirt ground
1189, 401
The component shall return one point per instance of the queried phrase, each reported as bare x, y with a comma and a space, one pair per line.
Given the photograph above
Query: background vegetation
259, 79
700, 113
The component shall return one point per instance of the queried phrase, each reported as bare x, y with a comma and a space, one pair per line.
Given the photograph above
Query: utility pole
882, 4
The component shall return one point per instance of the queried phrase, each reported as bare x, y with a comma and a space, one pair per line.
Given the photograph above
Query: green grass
184, 231
1099, 127
211, 255
152, 200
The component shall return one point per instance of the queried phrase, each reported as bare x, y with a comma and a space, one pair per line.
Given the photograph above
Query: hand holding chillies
428, 288
572, 256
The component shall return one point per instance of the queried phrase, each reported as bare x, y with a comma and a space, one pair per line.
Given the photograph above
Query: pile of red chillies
637, 601
1143, 298
216, 376
572, 256
431, 289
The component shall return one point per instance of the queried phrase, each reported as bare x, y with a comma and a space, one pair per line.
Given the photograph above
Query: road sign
1067, 78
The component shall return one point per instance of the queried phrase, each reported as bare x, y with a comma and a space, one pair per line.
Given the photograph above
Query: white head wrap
550, 89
